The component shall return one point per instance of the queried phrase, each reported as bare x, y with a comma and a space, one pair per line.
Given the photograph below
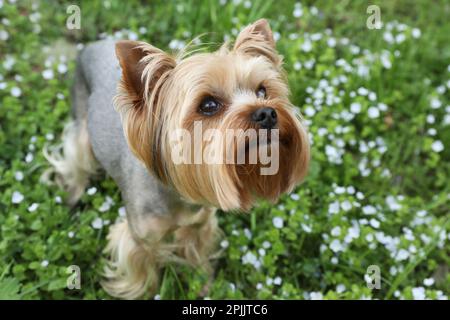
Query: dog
170, 205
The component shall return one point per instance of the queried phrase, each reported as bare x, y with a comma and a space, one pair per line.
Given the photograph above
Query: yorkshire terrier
170, 205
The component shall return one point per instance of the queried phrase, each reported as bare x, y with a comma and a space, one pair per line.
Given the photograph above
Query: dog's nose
265, 117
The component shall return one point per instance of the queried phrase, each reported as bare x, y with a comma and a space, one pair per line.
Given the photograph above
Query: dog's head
230, 106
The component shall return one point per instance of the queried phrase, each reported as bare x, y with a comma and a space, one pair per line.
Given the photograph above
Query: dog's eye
209, 106
261, 92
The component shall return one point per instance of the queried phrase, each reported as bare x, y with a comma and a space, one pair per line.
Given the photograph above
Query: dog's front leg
137, 249
196, 237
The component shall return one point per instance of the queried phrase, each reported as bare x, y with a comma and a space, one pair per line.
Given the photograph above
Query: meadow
377, 106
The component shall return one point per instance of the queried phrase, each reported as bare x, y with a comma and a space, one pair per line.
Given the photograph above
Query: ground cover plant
377, 105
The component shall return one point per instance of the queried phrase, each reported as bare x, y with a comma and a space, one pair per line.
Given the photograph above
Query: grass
378, 190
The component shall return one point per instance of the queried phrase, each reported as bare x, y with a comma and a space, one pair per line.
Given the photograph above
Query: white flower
298, 12
44, 263
336, 245
418, 293
309, 64
402, 255
297, 66
310, 111
122, 212
388, 37
435, 103
49, 136
58, 199
369, 209
386, 60
17, 197
176, 44
29, 157
259, 286
336, 231
331, 42
97, 223
132, 36
157, 297
437, 146
372, 96
392, 203
382, 106
224, 244
249, 258
333, 208
428, 282
363, 91
400, 38
340, 288
333, 154
355, 107
446, 120
422, 213
306, 228
278, 222
62, 68
374, 223
353, 232
4, 35
71, 234
441, 89
277, 281
393, 270
373, 112
16, 92
295, 196
306, 46
339, 190
18, 175
416, 33
33, 207
47, 74
334, 260
106, 205
266, 244
440, 295
9, 62
91, 191
316, 296
322, 131
346, 205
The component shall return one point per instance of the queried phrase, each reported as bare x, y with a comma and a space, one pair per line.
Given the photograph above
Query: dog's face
234, 98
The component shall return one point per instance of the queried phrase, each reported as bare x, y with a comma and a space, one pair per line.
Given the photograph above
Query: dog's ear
257, 40
145, 69
142, 65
